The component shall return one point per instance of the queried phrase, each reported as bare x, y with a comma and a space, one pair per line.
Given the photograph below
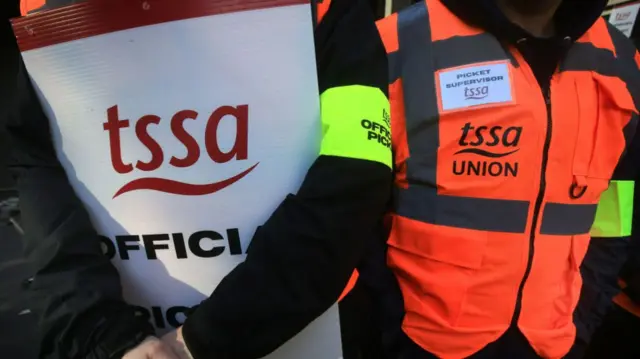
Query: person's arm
609, 246
75, 293
302, 257
630, 273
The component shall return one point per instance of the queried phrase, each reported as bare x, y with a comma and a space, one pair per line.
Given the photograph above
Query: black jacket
299, 262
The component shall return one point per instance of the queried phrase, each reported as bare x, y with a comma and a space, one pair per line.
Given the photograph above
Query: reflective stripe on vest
494, 199
615, 211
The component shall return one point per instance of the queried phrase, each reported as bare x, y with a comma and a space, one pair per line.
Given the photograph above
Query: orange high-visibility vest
322, 6
497, 183
27, 6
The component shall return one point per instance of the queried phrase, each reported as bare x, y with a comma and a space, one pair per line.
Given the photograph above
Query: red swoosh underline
181, 188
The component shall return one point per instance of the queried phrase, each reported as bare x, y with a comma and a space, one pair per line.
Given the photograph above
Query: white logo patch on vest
474, 85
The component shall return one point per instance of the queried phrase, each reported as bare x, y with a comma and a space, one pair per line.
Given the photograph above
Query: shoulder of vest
321, 8
388, 26
388, 29
628, 60
624, 47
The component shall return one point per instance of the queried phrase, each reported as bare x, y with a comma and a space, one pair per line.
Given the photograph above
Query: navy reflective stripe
420, 99
419, 59
586, 57
446, 53
628, 69
630, 74
464, 50
567, 219
416, 61
483, 214
394, 66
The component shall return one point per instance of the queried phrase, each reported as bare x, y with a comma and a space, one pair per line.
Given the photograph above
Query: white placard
474, 85
624, 18
181, 138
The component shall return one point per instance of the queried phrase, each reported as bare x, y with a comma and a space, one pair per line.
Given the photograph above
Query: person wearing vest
300, 260
510, 119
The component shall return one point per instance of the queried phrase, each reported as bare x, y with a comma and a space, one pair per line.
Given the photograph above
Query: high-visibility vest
28, 6
322, 6
497, 183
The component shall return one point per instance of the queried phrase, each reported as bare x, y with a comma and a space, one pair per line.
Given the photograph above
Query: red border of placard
97, 17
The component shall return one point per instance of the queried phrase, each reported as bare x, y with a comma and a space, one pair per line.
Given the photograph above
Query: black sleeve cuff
120, 328
198, 346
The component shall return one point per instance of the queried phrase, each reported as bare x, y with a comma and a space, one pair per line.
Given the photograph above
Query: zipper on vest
537, 206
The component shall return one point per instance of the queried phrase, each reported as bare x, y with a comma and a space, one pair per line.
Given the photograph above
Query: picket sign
181, 125
624, 18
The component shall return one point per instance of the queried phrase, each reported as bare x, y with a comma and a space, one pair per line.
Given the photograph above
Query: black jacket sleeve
75, 292
605, 258
630, 272
300, 260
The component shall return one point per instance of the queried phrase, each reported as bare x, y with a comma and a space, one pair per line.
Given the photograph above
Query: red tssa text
239, 151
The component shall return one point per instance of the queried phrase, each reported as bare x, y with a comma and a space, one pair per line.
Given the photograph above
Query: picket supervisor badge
475, 85
181, 126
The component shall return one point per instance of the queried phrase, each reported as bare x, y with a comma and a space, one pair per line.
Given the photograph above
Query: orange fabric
625, 302
352, 283
29, 5
388, 29
322, 8
398, 135
599, 36
460, 285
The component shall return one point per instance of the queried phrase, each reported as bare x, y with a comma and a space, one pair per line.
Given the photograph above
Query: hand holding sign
151, 348
189, 125
175, 341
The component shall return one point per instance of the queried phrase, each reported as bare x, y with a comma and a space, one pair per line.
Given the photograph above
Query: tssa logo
238, 152
476, 93
493, 142
497, 136
623, 16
